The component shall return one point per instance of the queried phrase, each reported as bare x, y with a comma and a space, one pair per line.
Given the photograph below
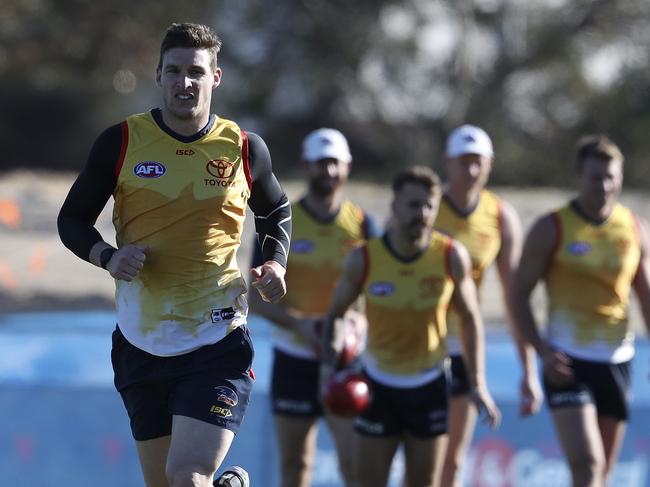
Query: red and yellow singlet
187, 203
480, 233
318, 252
588, 284
406, 306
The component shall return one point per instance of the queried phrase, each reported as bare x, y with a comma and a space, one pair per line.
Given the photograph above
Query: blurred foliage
396, 77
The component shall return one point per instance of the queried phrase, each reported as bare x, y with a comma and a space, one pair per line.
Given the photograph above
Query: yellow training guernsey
406, 306
480, 233
318, 251
187, 203
588, 284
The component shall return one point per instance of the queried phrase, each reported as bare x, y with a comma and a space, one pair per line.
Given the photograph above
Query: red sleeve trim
245, 160
366, 267
448, 248
125, 142
558, 232
364, 225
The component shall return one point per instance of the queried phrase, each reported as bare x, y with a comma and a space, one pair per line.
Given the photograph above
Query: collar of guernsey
318, 251
406, 306
588, 284
481, 233
187, 203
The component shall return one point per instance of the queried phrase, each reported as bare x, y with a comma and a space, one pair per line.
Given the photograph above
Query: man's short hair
598, 147
422, 175
191, 36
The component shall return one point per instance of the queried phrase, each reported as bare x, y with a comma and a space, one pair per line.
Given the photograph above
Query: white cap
325, 144
469, 139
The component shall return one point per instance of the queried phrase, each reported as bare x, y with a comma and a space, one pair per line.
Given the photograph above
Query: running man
181, 179
590, 253
490, 230
326, 226
408, 278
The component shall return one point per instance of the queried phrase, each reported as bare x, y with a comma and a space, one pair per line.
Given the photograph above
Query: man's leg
424, 460
612, 431
577, 430
373, 458
196, 451
462, 420
342, 432
296, 409
153, 458
297, 444
611, 391
461, 423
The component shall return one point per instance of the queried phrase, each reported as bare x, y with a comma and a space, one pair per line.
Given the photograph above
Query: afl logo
302, 246
381, 288
149, 169
578, 248
220, 169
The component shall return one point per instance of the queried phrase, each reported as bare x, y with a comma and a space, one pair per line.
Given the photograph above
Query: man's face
468, 171
187, 79
600, 181
327, 175
415, 208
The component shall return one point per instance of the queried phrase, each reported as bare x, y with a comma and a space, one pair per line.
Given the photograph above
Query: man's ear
490, 165
217, 78
158, 77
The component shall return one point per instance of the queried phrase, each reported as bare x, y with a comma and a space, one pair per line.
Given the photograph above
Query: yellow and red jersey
187, 203
406, 306
588, 284
481, 234
318, 252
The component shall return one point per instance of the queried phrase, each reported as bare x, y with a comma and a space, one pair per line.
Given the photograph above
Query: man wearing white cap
325, 227
491, 231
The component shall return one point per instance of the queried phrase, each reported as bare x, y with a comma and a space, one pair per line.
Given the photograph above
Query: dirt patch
38, 274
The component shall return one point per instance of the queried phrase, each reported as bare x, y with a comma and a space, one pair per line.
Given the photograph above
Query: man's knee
189, 475
588, 470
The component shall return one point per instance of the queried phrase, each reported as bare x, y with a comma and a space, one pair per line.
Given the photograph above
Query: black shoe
233, 477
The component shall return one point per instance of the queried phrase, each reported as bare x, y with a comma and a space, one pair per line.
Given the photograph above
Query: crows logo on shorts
226, 395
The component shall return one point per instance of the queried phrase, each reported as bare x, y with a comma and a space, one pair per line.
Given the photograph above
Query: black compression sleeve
89, 194
269, 204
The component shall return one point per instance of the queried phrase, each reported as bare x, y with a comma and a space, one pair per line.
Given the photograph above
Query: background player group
414, 278
173, 347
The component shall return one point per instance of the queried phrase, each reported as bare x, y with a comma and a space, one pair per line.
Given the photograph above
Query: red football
347, 394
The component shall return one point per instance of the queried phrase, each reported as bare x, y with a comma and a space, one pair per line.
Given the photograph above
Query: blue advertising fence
63, 424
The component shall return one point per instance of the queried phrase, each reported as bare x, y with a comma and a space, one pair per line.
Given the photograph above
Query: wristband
105, 256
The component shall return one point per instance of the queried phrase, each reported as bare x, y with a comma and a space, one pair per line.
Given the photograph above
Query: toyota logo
220, 169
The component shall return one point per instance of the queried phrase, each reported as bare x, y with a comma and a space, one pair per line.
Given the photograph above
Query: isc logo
149, 169
184, 152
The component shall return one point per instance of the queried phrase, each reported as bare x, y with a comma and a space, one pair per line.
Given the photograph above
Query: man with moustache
326, 226
408, 278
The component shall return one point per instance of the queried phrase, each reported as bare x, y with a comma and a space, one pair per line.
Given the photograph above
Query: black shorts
605, 385
459, 381
421, 411
211, 384
294, 386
